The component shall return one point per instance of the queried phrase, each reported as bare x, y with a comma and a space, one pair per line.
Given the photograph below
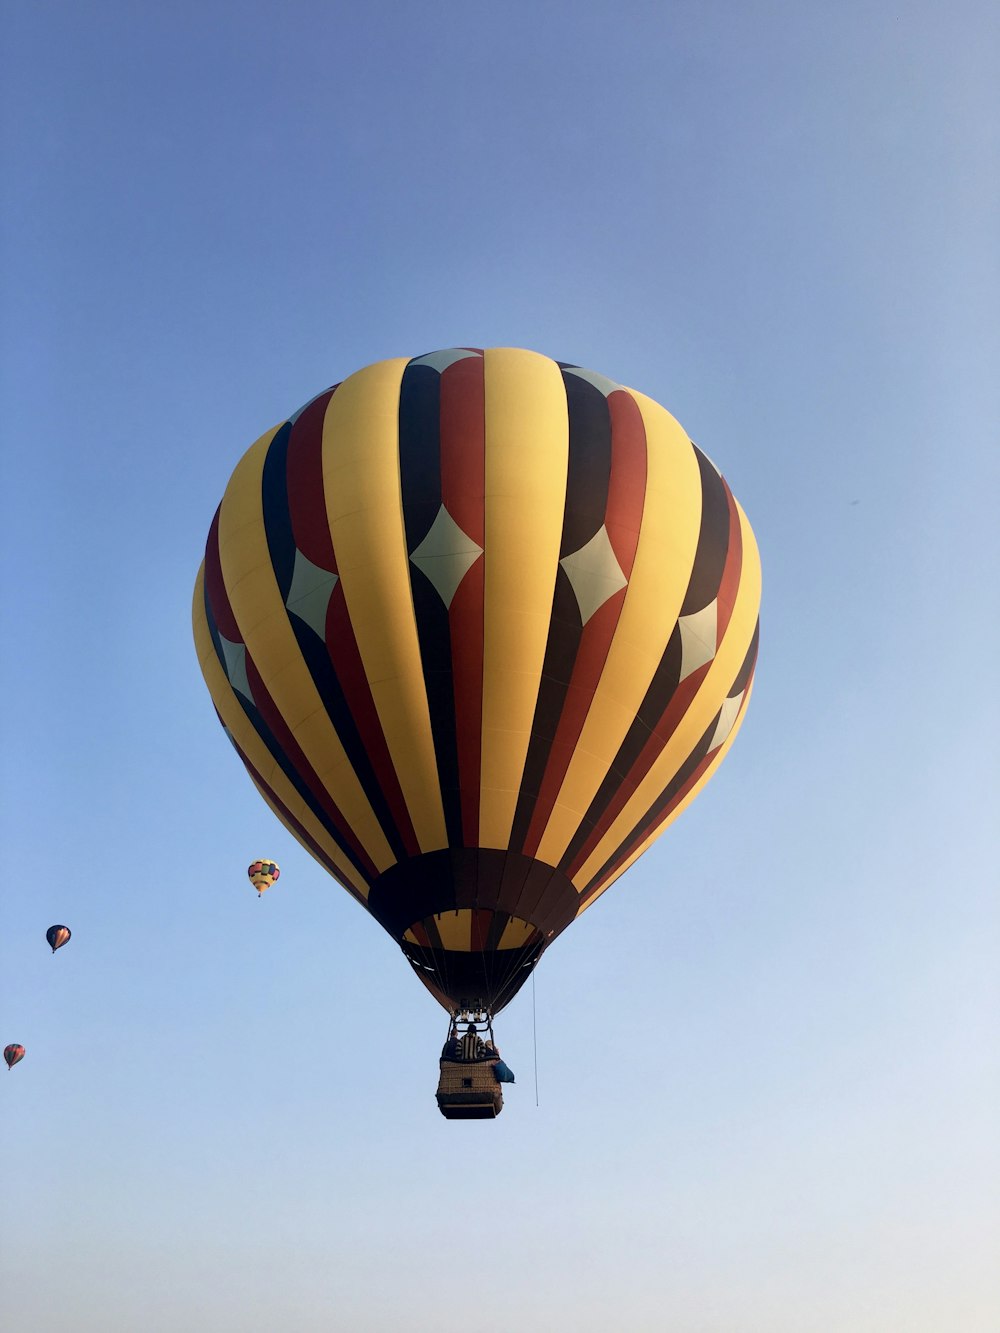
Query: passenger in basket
473, 1047
452, 1049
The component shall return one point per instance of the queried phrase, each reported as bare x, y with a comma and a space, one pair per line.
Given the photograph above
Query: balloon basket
468, 1088
469, 1091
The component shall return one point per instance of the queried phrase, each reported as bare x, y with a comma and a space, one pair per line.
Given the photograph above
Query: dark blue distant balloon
57, 936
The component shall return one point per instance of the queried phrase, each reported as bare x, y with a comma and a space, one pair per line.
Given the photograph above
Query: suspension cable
534, 1031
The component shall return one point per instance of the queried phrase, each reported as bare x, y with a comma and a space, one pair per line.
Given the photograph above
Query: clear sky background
768, 1060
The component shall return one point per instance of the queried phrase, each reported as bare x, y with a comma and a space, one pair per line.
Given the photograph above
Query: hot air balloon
12, 1054
57, 936
262, 875
480, 625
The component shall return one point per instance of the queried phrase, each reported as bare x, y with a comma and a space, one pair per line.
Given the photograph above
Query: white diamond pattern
310, 593
600, 382
594, 573
699, 632
446, 555
727, 719
235, 655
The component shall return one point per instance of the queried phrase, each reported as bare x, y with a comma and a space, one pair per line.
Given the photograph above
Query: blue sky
769, 1083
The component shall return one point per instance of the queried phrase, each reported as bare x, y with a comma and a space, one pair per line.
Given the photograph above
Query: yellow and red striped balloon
480, 625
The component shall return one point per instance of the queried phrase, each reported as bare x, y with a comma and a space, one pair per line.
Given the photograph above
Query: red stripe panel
218, 598
627, 484
622, 519
730, 581
463, 445
480, 929
346, 659
463, 491
307, 774
650, 752
306, 495
420, 935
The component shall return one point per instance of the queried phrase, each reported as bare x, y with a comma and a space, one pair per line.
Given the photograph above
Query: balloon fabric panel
301, 727
608, 467
671, 506
685, 729
527, 451
364, 507
294, 503
679, 675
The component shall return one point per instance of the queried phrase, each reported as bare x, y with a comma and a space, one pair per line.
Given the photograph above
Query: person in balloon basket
469, 1048
452, 1049
473, 1046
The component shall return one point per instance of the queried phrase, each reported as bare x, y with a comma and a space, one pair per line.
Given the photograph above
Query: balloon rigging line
534, 1032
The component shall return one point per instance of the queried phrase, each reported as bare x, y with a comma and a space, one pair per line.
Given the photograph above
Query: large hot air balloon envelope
57, 936
12, 1054
480, 625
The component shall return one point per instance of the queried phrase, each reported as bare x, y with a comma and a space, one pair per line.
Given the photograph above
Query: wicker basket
468, 1090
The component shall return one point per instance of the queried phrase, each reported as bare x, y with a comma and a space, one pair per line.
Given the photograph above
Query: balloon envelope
57, 936
263, 874
12, 1054
479, 625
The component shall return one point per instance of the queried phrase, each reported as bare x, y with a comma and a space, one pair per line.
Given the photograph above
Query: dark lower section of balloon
460, 980
487, 880
483, 878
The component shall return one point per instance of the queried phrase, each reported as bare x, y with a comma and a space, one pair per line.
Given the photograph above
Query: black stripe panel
420, 481
587, 482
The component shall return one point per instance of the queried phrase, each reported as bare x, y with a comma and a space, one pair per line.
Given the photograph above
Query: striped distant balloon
262, 875
12, 1054
57, 936
479, 625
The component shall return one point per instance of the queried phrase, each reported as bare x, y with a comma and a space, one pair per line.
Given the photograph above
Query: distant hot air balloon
479, 625
262, 875
12, 1054
57, 936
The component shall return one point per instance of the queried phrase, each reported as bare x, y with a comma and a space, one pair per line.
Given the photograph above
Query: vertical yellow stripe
364, 507
263, 621
679, 808
243, 733
706, 703
527, 453
668, 540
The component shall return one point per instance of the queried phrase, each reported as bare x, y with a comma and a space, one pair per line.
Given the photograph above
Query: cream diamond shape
594, 573
446, 555
727, 718
698, 637
440, 361
235, 655
600, 382
310, 593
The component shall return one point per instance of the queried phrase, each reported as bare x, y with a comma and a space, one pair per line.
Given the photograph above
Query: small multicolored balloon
12, 1054
262, 875
57, 936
